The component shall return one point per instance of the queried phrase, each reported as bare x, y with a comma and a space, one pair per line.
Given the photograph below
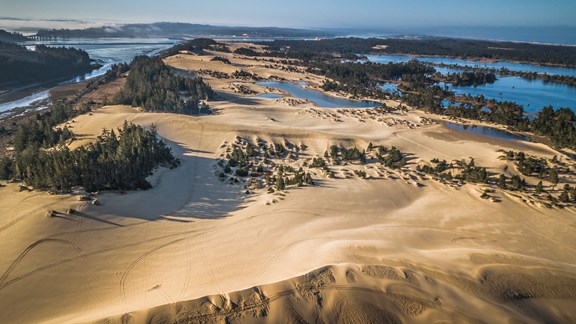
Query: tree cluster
20, 65
151, 85
113, 162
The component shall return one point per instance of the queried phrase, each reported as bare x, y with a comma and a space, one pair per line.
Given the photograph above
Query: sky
300, 13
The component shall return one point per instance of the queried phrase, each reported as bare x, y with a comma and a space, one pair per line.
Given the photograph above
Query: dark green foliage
12, 37
153, 86
502, 180
20, 65
552, 54
472, 173
318, 163
221, 59
392, 158
467, 79
197, 46
112, 162
516, 183
40, 130
280, 185
246, 52
338, 154
539, 187
564, 197
558, 125
438, 167
553, 176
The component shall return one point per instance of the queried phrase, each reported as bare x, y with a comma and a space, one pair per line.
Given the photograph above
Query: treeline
12, 37
479, 49
304, 50
151, 85
40, 130
113, 162
468, 79
451, 47
362, 79
20, 65
547, 78
197, 46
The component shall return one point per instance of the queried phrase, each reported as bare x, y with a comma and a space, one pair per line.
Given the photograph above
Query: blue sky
305, 13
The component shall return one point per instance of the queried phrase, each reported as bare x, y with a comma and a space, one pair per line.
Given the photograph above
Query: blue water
487, 131
390, 87
551, 70
532, 94
105, 52
317, 97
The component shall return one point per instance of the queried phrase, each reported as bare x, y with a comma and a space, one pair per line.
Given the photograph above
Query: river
103, 51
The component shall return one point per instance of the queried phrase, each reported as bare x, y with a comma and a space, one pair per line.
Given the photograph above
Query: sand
196, 249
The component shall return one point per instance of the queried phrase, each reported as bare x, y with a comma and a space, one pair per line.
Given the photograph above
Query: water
108, 52
520, 67
532, 94
487, 131
268, 96
26, 101
390, 87
105, 52
317, 97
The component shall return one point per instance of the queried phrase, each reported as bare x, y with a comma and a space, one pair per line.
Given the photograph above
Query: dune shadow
239, 99
190, 191
94, 218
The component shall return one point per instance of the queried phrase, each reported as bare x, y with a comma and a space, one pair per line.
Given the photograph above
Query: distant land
11, 37
179, 30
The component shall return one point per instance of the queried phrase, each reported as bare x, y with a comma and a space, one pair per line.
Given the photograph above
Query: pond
487, 131
318, 97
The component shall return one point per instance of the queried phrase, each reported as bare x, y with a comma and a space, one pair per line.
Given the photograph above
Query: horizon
554, 35
322, 14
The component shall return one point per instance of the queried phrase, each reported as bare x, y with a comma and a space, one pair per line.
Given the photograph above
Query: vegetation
113, 162
12, 37
467, 79
391, 158
20, 65
151, 85
479, 49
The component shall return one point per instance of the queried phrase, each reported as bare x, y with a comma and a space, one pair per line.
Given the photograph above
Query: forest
20, 65
152, 86
11, 37
449, 47
117, 160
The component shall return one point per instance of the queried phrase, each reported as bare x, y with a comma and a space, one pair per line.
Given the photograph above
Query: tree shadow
239, 99
190, 191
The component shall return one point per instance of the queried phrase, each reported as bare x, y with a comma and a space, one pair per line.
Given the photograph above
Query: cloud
31, 26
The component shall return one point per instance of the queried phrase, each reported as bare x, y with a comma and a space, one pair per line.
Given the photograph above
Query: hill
178, 30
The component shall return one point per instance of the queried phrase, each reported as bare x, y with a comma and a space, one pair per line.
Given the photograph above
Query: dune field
392, 246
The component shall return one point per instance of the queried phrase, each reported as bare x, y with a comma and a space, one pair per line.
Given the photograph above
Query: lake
317, 97
532, 94
520, 67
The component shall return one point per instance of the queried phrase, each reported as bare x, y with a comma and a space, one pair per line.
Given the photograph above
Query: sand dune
197, 249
